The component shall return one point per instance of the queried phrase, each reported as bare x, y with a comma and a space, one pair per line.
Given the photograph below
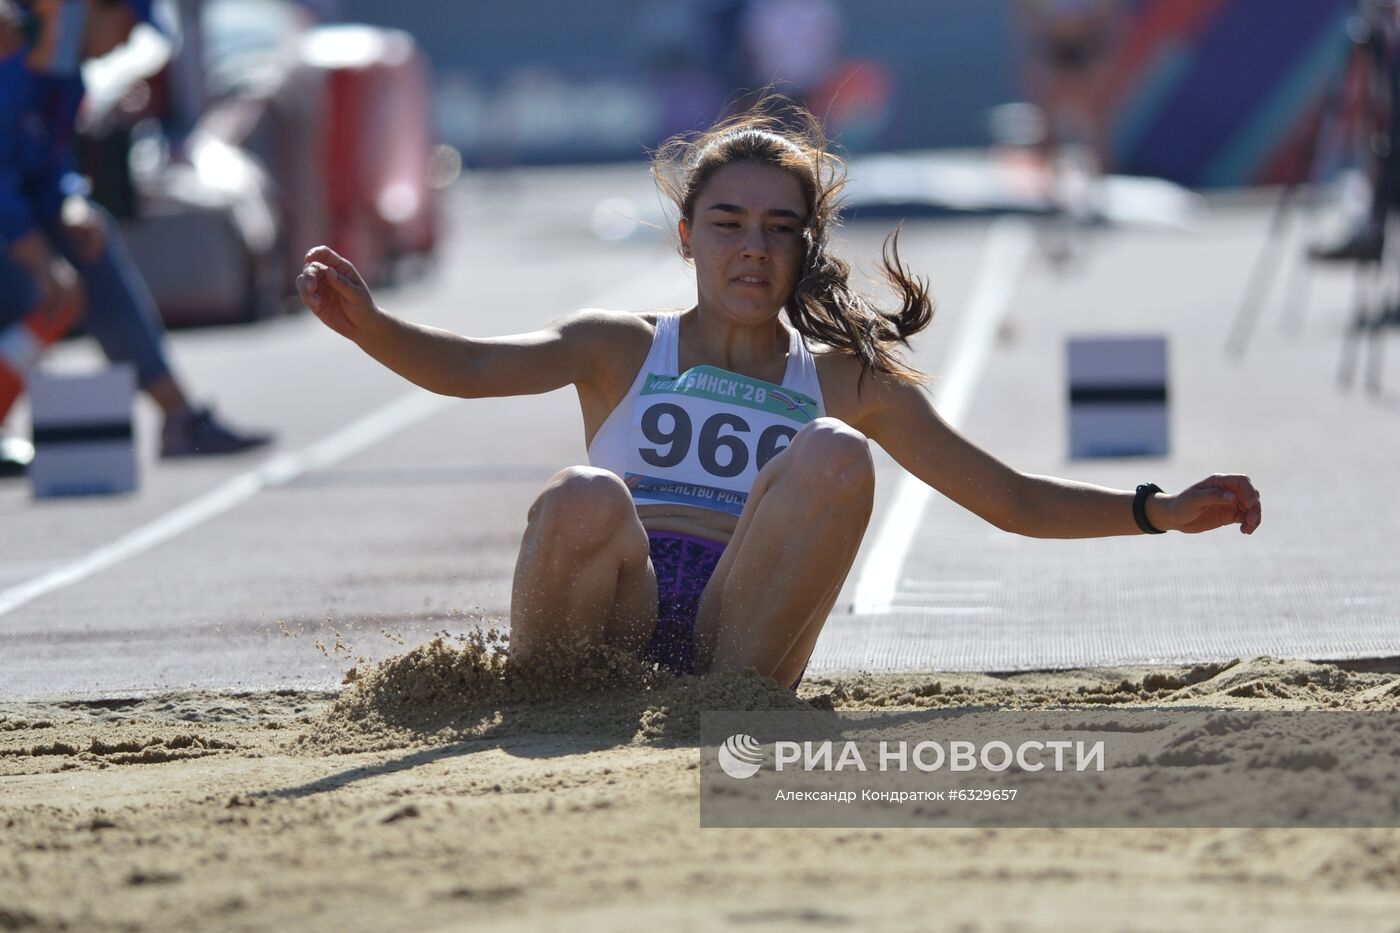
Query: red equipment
21, 344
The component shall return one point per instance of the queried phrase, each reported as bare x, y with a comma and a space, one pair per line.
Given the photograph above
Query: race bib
700, 438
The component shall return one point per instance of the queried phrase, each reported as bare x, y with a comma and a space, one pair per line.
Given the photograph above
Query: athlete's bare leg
584, 574
790, 554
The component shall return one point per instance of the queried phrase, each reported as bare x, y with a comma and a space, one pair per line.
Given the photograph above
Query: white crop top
699, 438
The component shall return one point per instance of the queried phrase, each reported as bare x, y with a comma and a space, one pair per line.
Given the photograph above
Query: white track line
1009, 243
349, 440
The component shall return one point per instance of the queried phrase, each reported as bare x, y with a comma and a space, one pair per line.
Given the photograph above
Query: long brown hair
823, 307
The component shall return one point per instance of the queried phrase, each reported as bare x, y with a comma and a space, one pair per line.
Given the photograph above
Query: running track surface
385, 516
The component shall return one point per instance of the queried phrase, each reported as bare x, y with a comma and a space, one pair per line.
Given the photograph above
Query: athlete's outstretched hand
334, 291
1215, 501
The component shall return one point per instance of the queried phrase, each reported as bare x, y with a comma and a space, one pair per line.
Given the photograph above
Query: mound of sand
471, 688
1257, 683
448, 789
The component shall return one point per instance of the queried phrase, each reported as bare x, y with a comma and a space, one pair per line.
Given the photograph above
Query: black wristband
1140, 508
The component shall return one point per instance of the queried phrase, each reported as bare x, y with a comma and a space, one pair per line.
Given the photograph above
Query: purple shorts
683, 564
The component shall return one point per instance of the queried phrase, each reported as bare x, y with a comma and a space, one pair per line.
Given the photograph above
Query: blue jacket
38, 115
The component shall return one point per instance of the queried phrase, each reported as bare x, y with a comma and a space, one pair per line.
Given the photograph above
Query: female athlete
730, 478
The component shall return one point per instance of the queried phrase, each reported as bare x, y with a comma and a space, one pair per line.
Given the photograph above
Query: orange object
22, 343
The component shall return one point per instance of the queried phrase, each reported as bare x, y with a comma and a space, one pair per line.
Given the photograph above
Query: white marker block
1118, 397
83, 442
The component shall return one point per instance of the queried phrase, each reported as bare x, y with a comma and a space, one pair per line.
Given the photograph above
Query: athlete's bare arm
901, 419
571, 351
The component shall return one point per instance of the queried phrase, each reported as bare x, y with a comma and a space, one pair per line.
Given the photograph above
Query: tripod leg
1257, 289
1295, 293
1373, 368
1375, 335
1366, 275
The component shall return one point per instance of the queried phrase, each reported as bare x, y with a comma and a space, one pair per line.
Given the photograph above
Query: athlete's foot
197, 432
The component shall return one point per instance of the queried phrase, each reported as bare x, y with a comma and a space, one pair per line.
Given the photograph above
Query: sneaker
16, 454
1365, 245
198, 433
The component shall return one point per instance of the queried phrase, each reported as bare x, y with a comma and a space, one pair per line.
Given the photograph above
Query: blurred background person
797, 47
1071, 45
61, 256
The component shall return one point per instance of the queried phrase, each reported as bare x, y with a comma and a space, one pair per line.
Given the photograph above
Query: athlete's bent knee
581, 509
836, 456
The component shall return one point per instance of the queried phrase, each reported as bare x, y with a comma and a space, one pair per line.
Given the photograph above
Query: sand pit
443, 789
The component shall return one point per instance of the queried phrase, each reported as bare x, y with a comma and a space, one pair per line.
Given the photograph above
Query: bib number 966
723, 450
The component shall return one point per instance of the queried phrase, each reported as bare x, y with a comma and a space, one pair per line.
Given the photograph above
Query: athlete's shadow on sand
531, 746
520, 736
589, 722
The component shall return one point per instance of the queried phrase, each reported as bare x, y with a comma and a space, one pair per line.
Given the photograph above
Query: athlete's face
746, 240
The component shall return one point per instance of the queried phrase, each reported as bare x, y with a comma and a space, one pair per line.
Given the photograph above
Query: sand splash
470, 687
